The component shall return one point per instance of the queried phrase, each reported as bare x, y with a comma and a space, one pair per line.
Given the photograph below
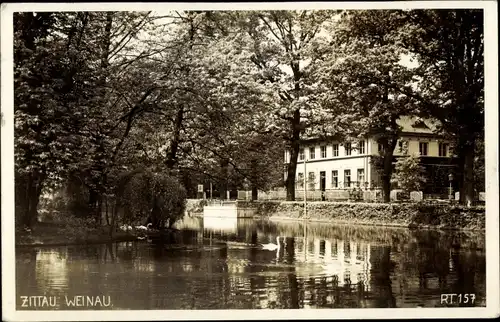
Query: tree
71, 73
361, 60
143, 195
409, 174
448, 46
217, 104
46, 80
284, 47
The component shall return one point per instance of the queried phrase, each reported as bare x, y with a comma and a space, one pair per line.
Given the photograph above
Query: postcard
176, 161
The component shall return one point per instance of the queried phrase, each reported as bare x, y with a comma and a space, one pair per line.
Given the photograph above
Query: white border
491, 135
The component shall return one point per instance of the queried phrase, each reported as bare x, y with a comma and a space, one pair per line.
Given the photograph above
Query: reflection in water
220, 264
51, 269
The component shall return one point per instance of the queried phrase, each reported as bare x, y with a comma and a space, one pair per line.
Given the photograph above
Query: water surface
220, 264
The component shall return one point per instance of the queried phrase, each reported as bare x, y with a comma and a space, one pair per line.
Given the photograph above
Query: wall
411, 215
413, 145
340, 164
355, 160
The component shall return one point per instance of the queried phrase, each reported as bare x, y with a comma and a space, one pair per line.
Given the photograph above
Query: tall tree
449, 45
284, 48
67, 70
362, 59
48, 74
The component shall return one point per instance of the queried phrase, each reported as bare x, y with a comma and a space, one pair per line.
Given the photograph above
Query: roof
409, 125
418, 125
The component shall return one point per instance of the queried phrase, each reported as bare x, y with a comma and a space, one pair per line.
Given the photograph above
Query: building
331, 164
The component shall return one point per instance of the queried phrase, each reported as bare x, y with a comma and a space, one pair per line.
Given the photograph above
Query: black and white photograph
249, 160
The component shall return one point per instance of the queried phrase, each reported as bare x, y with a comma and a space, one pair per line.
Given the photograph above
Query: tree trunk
255, 193
92, 203
107, 209
294, 154
174, 144
113, 218
388, 144
253, 165
27, 197
467, 195
223, 181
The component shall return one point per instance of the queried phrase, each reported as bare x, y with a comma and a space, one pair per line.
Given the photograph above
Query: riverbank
409, 215
59, 234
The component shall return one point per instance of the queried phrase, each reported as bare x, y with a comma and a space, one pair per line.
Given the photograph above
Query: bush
170, 200
408, 174
153, 197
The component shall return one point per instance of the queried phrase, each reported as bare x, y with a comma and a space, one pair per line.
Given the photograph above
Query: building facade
330, 164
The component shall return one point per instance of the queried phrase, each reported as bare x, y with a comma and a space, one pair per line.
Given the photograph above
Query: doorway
322, 184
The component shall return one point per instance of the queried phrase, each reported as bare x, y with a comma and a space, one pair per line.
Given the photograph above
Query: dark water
316, 266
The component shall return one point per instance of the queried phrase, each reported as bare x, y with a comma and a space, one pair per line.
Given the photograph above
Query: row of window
322, 149
423, 148
402, 145
335, 178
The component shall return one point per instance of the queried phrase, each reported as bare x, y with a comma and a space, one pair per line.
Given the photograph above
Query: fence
373, 195
316, 195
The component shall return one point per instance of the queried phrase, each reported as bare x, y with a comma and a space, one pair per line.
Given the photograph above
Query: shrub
408, 174
153, 197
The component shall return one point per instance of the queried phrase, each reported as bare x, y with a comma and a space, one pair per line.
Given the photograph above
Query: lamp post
450, 179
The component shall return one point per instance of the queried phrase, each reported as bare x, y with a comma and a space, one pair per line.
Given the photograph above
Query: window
323, 151
335, 150
423, 148
361, 147
443, 149
311, 180
301, 154
312, 153
347, 148
347, 178
286, 156
361, 176
335, 179
402, 145
300, 179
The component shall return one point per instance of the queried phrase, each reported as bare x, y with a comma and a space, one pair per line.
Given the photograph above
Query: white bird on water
142, 227
272, 246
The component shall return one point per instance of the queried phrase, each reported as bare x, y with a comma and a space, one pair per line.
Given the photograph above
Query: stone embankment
411, 214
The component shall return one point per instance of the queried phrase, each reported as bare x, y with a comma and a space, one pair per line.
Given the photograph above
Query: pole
210, 190
305, 189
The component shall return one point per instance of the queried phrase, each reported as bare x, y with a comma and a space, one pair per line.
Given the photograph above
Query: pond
220, 264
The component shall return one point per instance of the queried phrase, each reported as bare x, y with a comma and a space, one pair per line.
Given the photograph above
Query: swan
142, 227
125, 227
272, 246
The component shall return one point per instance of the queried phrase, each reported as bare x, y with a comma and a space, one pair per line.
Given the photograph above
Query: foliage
147, 196
479, 167
363, 57
409, 175
218, 96
448, 46
64, 111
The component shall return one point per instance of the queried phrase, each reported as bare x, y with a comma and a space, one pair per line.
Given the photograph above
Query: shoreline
412, 216
77, 242
355, 223
373, 224
54, 234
